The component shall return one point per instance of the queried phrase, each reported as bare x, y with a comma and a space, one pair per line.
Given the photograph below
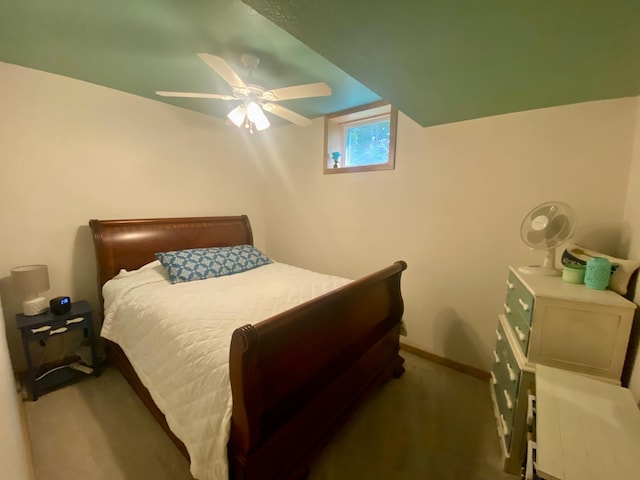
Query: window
361, 139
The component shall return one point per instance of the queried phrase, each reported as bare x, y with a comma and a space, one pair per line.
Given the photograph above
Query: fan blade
196, 95
299, 91
222, 68
535, 237
287, 114
558, 227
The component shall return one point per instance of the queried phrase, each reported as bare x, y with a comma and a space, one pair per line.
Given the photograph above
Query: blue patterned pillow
201, 263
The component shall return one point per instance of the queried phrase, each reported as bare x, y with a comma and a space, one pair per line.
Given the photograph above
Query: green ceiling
438, 61
443, 61
140, 46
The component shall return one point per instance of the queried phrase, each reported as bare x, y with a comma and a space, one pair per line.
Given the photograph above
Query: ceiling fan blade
222, 68
196, 95
287, 114
320, 89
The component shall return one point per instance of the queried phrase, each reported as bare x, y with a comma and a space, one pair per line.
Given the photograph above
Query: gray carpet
433, 423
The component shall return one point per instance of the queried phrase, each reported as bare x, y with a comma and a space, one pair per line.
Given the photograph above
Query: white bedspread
177, 338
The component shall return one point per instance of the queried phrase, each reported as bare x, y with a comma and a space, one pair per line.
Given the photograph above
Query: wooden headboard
130, 244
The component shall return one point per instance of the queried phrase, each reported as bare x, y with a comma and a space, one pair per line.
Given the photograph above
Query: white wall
631, 241
71, 151
15, 453
452, 209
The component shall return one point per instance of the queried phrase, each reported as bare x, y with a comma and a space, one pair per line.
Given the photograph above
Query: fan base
540, 270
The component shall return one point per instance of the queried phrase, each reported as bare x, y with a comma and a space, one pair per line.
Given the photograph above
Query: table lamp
29, 281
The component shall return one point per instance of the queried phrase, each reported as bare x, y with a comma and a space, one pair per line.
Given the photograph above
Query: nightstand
41, 327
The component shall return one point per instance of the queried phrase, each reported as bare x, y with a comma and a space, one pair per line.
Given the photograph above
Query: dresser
548, 321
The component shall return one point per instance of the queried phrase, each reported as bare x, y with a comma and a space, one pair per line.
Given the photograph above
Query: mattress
177, 338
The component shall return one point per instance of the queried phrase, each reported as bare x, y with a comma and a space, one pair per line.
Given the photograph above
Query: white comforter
177, 338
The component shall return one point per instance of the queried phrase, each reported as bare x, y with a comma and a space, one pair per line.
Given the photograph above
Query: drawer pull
75, 320
496, 357
531, 409
510, 285
58, 330
498, 336
507, 309
530, 466
524, 305
505, 429
512, 374
41, 329
520, 334
494, 380
507, 399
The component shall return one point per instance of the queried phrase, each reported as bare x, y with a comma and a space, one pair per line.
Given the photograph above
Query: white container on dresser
551, 322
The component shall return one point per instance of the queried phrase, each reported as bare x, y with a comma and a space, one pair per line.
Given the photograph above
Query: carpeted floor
433, 423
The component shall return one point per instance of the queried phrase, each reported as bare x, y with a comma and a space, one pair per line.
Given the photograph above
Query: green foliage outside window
368, 144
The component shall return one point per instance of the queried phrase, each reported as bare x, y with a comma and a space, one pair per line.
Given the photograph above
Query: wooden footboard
297, 377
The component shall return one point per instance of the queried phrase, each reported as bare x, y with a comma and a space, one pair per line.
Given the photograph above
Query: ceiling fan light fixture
257, 116
237, 115
255, 99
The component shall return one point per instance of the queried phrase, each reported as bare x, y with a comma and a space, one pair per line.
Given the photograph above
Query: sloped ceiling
140, 46
438, 61
443, 61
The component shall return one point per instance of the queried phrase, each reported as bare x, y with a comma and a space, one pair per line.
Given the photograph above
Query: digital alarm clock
60, 305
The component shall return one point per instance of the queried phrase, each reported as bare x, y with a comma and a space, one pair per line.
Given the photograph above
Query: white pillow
620, 278
124, 273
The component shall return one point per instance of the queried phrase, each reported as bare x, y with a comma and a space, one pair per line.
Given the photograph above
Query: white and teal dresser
548, 321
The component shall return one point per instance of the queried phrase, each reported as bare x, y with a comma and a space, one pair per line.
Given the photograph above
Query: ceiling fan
254, 98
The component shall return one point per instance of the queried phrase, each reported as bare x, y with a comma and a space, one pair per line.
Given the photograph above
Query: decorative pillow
619, 278
201, 263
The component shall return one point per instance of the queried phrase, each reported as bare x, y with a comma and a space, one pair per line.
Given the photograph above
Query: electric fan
544, 228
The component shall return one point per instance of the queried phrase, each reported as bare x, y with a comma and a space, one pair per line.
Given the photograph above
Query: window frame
364, 114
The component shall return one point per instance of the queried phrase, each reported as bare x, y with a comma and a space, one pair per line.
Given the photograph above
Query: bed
296, 377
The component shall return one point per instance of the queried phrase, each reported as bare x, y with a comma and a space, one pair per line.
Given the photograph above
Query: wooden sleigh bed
295, 378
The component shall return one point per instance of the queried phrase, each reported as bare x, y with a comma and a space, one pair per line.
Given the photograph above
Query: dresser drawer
510, 371
505, 417
505, 388
519, 324
519, 298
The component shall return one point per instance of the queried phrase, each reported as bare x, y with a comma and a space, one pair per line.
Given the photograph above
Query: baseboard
446, 362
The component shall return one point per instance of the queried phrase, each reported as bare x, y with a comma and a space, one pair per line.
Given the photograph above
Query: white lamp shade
29, 281
257, 116
237, 115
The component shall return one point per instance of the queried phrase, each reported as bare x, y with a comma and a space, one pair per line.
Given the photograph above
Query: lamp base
35, 306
